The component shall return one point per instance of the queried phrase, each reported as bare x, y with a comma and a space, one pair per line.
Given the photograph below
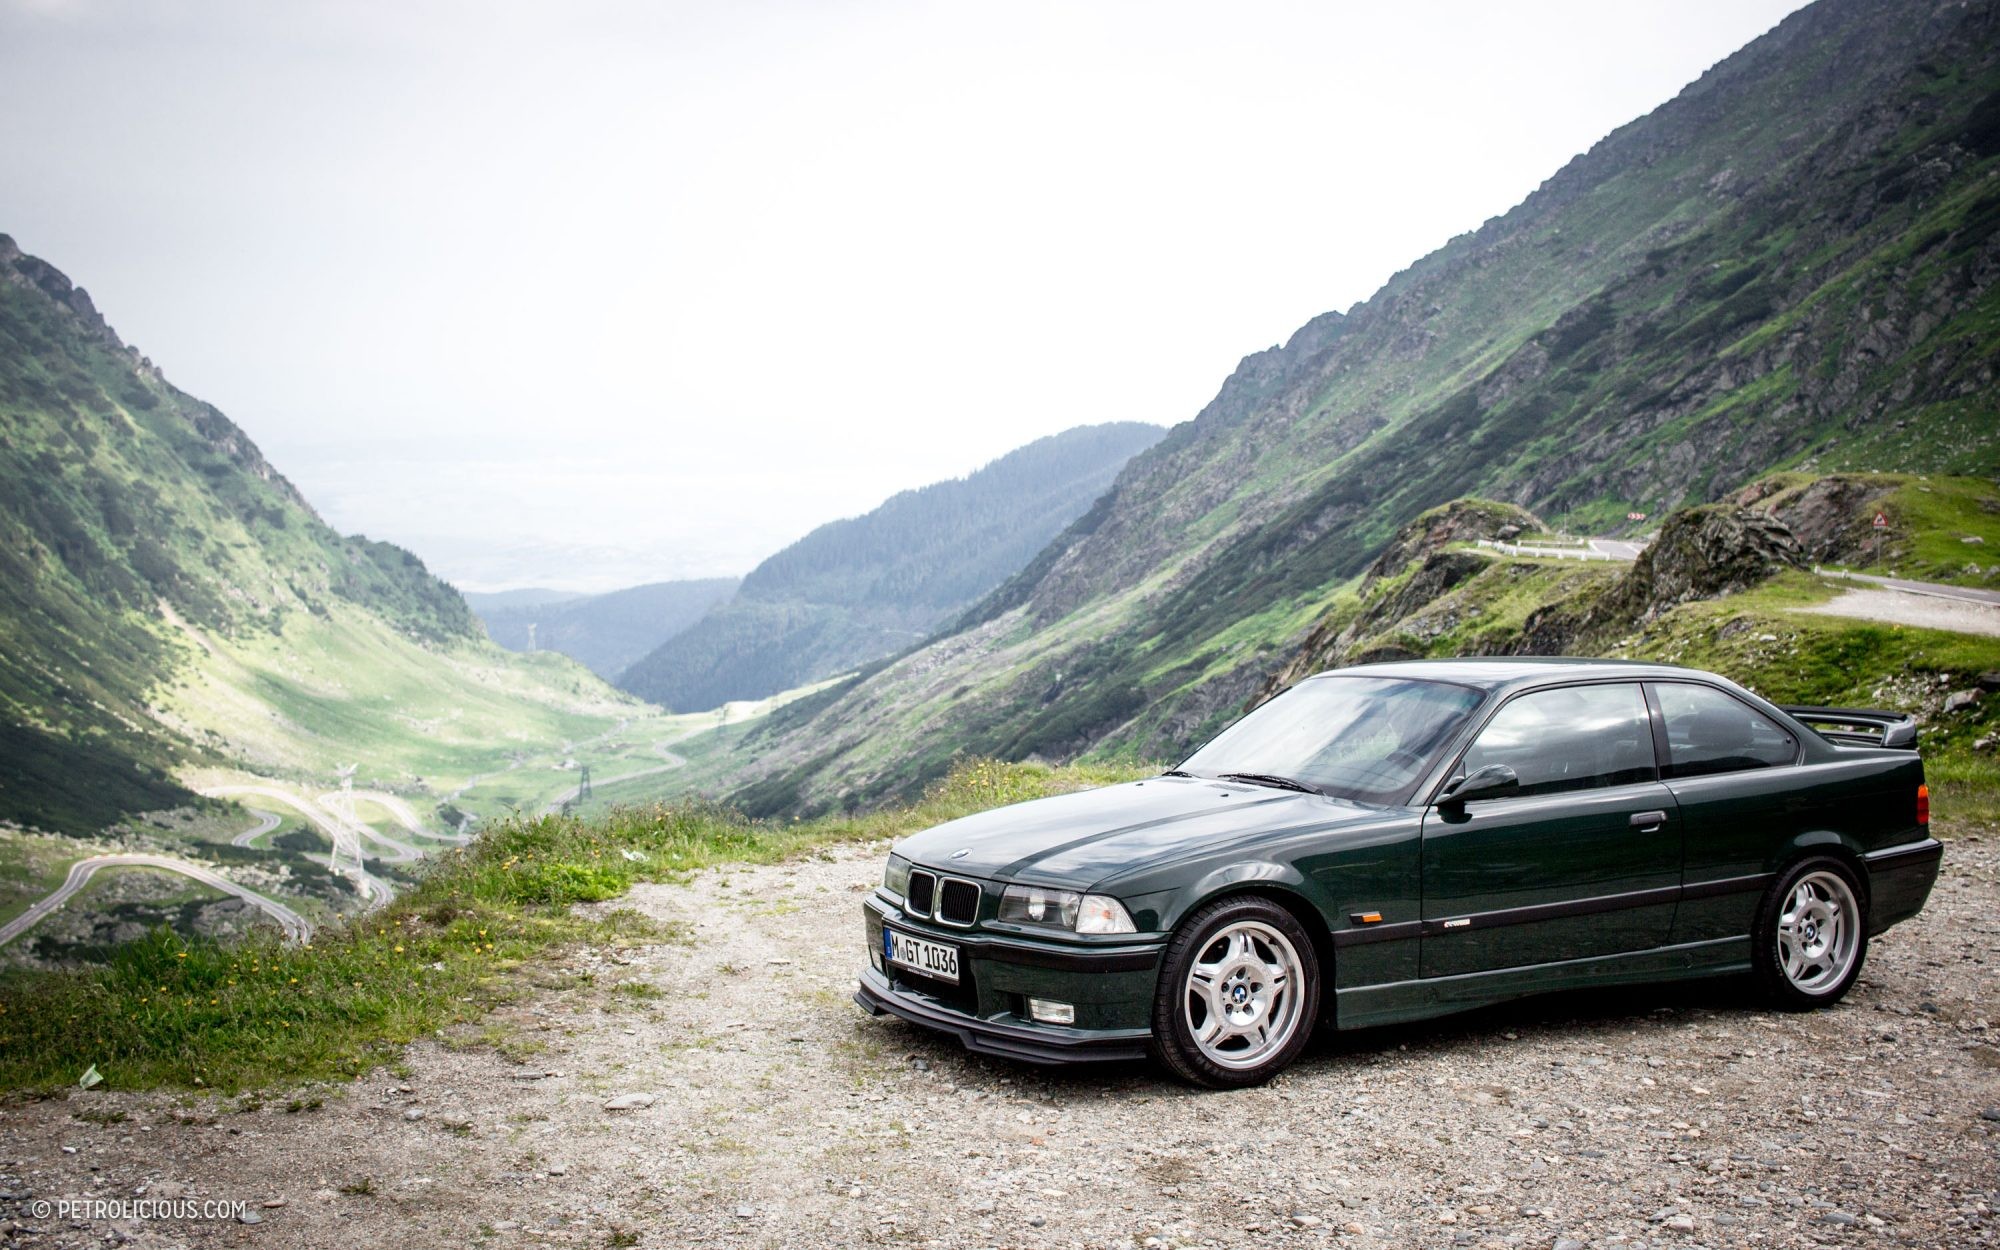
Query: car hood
1077, 840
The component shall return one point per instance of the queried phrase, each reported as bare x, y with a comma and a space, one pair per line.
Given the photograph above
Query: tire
1811, 936
1238, 994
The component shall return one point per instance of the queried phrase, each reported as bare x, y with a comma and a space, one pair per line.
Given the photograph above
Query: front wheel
1238, 994
1811, 935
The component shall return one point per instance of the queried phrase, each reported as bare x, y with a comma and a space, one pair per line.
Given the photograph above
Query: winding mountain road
346, 837
296, 926
265, 823
332, 813
340, 804
406, 816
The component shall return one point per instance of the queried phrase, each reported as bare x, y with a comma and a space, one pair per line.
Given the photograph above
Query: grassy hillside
1937, 529
174, 608
1789, 266
605, 633
316, 696
859, 589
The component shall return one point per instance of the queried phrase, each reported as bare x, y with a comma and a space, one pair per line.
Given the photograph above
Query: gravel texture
736, 1097
1921, 611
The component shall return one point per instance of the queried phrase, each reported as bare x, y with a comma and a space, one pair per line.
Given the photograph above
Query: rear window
1711, 732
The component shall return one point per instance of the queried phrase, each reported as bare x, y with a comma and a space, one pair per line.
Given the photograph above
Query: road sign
1881, 521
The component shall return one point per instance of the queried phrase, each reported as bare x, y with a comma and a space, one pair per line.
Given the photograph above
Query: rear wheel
1238, 994
1812, 935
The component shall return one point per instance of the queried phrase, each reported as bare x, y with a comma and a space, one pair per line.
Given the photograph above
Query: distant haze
588, 295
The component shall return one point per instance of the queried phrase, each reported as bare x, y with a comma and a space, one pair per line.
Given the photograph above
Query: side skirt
1399, 1002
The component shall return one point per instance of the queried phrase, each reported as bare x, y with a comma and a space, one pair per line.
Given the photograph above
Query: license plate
933, 959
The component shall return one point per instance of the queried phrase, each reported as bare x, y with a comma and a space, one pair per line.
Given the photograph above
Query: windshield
1361, 738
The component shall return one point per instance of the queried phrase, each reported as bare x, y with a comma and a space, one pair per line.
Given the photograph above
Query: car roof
1492, 673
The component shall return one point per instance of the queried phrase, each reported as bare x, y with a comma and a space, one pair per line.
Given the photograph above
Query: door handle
1649, 822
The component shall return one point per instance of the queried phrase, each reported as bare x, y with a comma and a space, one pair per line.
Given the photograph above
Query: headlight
896, 877
1064, 909
1032, 904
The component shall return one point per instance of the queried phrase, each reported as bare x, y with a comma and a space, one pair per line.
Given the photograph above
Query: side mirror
1490, 782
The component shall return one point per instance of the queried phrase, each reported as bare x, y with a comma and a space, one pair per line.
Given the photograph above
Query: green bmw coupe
1396, 841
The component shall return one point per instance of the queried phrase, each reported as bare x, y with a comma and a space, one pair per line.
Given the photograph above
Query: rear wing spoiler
1859, 727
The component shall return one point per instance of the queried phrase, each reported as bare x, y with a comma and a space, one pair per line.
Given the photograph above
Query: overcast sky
589, 294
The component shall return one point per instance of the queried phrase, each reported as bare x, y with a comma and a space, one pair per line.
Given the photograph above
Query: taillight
1923, 805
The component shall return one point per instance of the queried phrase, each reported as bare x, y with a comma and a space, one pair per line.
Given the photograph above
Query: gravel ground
777, 1115
1899, 607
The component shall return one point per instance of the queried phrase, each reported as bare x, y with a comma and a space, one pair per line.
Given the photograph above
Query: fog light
875, 957
1049, 1011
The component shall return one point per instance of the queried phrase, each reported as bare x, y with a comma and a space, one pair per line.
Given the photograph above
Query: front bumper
1112, 988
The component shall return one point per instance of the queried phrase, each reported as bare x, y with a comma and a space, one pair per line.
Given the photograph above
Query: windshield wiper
1177, 772
1271, 779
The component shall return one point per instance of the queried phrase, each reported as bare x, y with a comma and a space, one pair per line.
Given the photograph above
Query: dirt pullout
1897, 607
782, 1117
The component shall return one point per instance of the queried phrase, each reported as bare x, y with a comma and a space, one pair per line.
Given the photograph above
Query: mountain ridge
606, 633
166, 586
860, 588
1789, 264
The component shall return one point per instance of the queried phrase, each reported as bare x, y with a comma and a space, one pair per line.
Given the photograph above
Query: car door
1585, 859
1732, 771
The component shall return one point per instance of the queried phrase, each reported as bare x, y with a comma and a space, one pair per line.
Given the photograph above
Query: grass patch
196, 1013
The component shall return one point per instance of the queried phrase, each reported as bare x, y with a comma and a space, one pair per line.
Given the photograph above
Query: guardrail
1555, 553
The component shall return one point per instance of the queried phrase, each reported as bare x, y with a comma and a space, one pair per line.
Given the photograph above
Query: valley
1723, 392
368, 842
397, 907
216, 707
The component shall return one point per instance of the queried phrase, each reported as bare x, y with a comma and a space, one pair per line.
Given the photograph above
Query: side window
1710, 732
1573, 738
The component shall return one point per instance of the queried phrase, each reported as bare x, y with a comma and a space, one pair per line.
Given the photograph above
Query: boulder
1703, 553
1832, 518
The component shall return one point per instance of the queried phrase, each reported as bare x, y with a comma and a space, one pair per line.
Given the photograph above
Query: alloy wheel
1241, 996
1818, 932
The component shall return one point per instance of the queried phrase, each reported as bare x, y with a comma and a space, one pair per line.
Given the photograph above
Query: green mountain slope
169, 602
859, 589
1437, 592
605, 633
1725, 586
1791, 264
